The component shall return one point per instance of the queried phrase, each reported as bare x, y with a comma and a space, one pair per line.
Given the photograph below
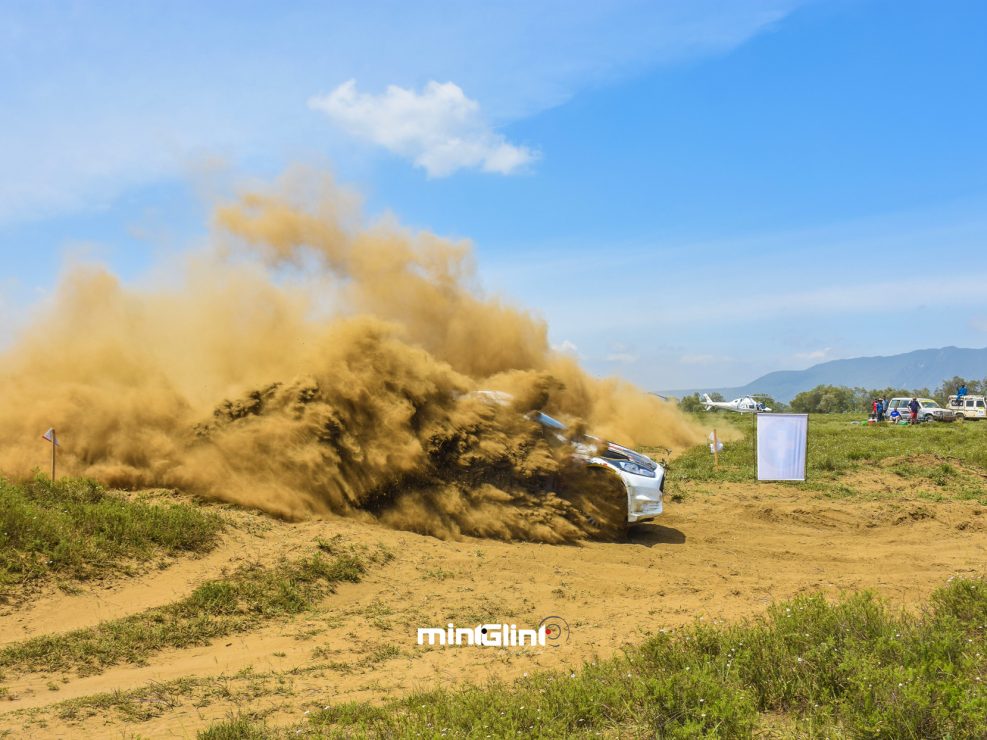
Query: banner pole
716, 453
54, 436
754, 437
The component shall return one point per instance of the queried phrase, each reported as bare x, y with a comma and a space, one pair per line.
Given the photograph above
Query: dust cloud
305, 363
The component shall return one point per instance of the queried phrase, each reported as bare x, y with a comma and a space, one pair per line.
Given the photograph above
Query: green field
941, 459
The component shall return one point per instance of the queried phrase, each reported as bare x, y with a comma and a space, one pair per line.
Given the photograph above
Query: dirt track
719, 555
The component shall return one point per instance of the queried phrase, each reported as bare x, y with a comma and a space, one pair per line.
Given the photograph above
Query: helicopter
742, 405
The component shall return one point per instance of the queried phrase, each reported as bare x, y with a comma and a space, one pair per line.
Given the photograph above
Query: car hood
596, 447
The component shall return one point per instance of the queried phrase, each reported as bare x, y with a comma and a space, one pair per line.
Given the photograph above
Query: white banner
781, 440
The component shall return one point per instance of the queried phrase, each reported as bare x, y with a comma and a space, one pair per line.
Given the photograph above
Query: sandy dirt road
720, 554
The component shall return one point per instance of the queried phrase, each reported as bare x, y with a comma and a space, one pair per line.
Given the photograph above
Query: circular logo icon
556, 630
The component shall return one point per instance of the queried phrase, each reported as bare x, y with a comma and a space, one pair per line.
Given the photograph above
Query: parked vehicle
928, 409
968, 407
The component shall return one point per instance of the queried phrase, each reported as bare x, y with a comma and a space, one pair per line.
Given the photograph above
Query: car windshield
617, 452
930, 404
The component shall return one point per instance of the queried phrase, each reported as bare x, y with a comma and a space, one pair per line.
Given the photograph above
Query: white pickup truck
968, 407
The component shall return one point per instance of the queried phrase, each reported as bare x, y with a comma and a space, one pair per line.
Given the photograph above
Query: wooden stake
716, 453
54, 436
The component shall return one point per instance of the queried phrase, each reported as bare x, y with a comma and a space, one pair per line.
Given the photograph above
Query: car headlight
632, 467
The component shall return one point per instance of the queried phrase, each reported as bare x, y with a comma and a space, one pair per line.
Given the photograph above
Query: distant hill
923, 368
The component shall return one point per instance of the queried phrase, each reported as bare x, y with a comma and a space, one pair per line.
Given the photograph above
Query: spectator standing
913, 407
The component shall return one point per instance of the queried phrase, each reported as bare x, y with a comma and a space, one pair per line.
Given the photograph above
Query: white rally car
643, 479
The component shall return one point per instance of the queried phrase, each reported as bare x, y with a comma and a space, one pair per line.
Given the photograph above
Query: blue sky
691, 193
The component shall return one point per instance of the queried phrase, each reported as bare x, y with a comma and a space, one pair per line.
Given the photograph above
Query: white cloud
622, 358
819, 354
832, 300
439, 129
704, 359
566, 347
965, 293
82, 130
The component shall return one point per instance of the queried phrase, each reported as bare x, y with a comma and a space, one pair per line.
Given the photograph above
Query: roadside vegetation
75, 530
838, 399
841, 399
940, 460
855, 668
237, 603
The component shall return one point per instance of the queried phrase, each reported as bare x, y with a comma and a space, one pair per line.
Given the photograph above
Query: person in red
913, 407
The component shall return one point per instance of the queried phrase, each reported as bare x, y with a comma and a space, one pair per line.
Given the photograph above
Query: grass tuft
217, 608
234, 729
75, 529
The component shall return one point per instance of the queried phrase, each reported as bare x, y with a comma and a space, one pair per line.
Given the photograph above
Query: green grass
158, 698
837, 447
234, 729
74, 529
807, 668
216, 608
248, 690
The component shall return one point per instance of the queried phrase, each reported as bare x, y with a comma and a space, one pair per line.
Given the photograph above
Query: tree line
838, 399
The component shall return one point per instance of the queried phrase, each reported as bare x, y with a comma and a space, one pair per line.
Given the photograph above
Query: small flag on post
53, 438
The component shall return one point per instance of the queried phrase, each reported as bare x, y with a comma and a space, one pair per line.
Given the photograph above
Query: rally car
641, 478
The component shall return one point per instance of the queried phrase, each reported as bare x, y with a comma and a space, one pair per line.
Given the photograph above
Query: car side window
980, 404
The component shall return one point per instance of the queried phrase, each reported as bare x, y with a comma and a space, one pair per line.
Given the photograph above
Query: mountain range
923, 368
